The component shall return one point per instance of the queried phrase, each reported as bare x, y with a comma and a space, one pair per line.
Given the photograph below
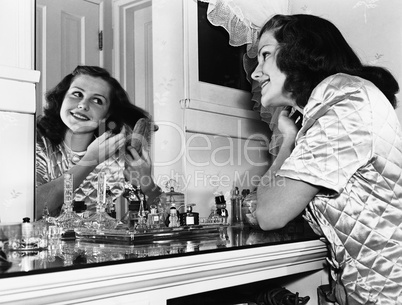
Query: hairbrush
141, 136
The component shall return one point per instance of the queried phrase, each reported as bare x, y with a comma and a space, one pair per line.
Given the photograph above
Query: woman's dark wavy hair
312, 48
121, 110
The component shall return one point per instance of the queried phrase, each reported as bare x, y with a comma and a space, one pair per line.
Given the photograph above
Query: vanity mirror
162, 59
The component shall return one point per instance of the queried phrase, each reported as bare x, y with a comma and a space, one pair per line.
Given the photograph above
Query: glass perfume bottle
80, 208
154, 218
68, 219
189, 218
130, 219
101, 220
221, 208
142, 215
172, 220
110, 206
214, 217
236, 201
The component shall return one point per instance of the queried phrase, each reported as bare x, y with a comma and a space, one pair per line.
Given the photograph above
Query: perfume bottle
214, 217
131, 217
80, 208
68, 219
26, 232
189, 218
220, 203
154, 218
110, 206
172, 220
142, 215
101, 220
236, 201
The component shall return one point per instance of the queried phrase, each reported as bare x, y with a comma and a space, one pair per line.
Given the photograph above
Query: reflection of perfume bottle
172, 219
68, 219
110, 206
189, 218
236, 207
81, 209
101, 220
214, 217
131, 217
153, 218
142, 215
221, 208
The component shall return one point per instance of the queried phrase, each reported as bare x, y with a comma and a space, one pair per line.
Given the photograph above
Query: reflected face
85, 104
267, 73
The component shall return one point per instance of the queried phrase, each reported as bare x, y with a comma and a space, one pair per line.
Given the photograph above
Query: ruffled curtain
243, 19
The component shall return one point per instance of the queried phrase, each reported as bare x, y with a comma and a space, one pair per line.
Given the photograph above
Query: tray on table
162, 235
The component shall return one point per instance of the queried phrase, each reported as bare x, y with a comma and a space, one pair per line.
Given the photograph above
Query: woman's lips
80, 116
264, 83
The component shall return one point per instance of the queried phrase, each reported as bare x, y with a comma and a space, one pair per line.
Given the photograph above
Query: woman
344, 163
87, 121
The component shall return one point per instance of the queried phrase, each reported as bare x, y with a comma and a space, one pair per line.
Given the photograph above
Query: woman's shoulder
342, 82
336, 93
40, 137
334, 89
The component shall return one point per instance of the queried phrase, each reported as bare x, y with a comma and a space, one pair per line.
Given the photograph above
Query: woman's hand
102, 148
287, 126
138, 169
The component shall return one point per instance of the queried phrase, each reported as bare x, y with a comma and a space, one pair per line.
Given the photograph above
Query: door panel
133, 43
66, 36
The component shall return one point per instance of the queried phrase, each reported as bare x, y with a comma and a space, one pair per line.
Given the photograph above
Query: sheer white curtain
243, 19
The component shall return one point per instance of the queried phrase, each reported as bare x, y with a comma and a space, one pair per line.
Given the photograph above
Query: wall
372, 27
17, 109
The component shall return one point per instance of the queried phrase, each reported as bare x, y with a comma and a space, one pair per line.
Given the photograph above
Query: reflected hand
103, 147
138, 169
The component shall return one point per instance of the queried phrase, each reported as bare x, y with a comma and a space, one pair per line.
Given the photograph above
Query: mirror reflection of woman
87, 120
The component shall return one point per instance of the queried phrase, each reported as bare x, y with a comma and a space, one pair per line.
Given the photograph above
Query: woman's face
267, 73
85, 104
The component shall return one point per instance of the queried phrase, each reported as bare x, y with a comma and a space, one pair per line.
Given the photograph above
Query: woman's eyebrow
97, 94
263, 46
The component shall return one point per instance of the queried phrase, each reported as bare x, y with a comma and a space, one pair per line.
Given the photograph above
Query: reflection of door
133, 44
67, 34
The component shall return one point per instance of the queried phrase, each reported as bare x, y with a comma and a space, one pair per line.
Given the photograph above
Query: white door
67, 34
133, 44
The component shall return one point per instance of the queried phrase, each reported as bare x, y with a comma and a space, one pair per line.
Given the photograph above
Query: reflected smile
79, 116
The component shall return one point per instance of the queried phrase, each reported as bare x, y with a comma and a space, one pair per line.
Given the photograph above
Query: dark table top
87, 251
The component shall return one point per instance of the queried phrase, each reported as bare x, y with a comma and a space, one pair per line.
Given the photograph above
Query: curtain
243, 19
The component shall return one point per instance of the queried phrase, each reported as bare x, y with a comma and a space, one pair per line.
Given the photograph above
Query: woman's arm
51, 194
138, 171
281, 199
